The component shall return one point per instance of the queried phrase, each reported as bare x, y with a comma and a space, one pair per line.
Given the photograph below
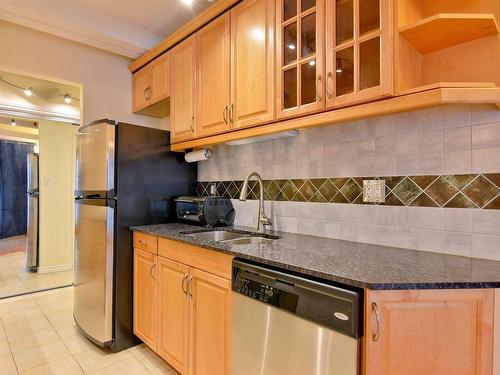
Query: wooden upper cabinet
300, 86
160, 78
429, 332
150, 86
141, 86
173, 314
252, 63
359, 52
213, 76
183, 90
145, 297
210, 324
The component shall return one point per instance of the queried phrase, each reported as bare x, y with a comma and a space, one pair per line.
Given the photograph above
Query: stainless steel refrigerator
121, 170
32, 218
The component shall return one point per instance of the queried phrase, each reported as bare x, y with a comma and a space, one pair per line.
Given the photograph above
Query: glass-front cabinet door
359, 63
300, 57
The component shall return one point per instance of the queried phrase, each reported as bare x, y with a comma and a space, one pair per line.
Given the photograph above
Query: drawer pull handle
376, 335
224, 115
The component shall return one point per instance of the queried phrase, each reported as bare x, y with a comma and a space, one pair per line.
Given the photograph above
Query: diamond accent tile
407, 191
351, 190
494, 204
339, 198
494, 177
392, 200
289, 190
391, 182
459, 181
441, 191
339, 182
233, 190
423, 181
328, 190
423, 200
481, 191
271, 190
307, 190
200, 189
460, 201
318, 198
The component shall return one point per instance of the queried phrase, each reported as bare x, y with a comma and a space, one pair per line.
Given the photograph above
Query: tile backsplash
432, 159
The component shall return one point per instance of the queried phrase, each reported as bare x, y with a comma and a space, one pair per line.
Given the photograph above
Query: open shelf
444, 30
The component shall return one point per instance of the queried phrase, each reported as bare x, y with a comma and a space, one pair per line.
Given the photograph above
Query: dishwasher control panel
266, 293
333, 307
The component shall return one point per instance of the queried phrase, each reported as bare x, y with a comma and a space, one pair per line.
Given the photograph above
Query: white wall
104, 76
57, 176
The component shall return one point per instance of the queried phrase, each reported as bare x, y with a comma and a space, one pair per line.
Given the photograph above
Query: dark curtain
13, 185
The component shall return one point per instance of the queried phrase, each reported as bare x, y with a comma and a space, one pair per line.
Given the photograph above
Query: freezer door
32, 172
93, 272
32, 233
95, 158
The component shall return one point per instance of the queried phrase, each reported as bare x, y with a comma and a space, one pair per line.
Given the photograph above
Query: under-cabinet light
263, 138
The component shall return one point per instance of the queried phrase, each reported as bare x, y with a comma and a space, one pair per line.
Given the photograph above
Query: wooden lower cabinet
173, 313
181, 311
210, 324
145, 297
432, 332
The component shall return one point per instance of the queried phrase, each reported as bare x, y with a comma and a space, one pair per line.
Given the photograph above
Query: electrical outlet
374, 191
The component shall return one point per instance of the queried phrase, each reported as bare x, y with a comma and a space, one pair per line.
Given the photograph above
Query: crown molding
21, 16
31, 113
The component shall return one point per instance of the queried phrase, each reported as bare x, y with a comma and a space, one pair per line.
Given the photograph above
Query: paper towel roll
200, 155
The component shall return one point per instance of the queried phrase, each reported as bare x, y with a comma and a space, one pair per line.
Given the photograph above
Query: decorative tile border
455, 191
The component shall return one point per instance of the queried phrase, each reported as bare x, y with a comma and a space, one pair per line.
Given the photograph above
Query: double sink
233, 238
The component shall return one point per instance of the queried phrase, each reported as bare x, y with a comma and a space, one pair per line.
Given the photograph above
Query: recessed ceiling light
187, 2
13, 122
67, 98
291, 46
28, 91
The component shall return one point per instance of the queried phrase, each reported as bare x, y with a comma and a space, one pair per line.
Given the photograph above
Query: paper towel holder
198, 155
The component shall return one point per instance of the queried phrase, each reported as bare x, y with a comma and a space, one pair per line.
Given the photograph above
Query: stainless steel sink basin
217, 235
249, 241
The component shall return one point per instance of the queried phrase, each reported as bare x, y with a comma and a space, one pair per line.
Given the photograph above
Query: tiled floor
15, 279
38, 336
12, 245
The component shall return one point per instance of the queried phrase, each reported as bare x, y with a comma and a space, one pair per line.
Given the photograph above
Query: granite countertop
352, 263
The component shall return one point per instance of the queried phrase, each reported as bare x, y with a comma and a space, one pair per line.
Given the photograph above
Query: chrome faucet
263, 220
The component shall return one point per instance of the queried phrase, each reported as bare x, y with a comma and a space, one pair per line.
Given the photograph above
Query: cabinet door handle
189, 286
376, 335
184, 286
231, 107
147, 92
224, 115
329, 78
319, 87
153, 266
191, 124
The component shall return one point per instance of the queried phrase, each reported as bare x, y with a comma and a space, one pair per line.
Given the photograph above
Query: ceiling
125, 27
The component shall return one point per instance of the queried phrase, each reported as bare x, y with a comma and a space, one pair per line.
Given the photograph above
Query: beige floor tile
7, 365
15, 304
22, 326
78, 343
40, 355
61, 317
138, 349
129, 367
33, 339
65, 366
67, 329
55, 307
155, 364
4, 347
95, 359
2, 331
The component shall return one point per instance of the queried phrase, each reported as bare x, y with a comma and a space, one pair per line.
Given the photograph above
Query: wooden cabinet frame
386, 56
319, 58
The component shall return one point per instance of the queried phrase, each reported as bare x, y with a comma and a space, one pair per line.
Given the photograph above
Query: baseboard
49, 269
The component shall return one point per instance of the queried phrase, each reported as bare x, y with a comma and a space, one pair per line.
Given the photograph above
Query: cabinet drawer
198, 257
146, 242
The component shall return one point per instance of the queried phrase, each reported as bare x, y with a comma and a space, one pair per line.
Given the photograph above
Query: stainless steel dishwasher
289, 325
